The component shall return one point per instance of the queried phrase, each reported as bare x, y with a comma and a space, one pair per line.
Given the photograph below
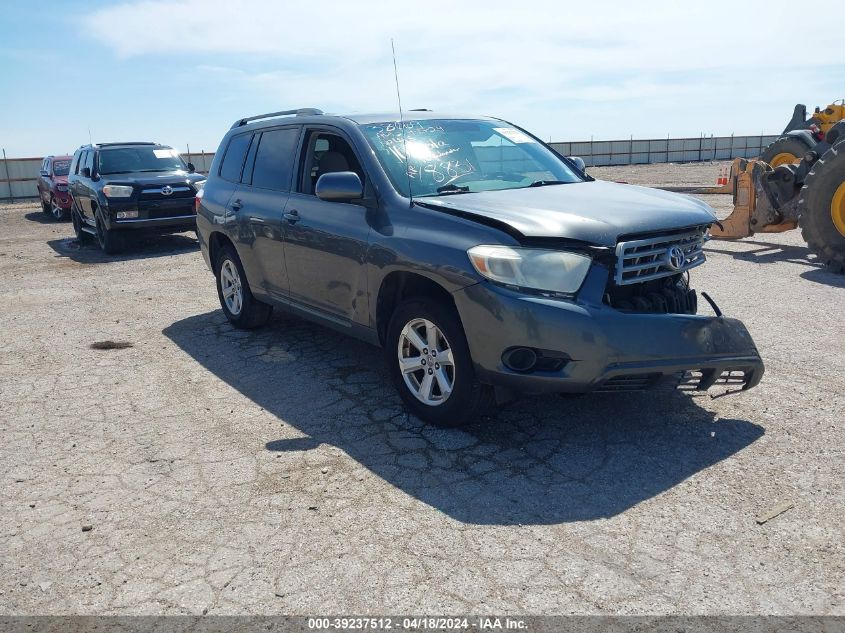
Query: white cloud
534, 57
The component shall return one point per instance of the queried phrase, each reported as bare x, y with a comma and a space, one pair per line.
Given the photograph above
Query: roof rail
270, 115
126, 143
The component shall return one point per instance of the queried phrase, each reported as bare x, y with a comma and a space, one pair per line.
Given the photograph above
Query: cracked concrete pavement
275, 471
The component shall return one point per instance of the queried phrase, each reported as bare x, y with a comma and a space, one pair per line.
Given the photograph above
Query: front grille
176, 191
669, 295
655, 257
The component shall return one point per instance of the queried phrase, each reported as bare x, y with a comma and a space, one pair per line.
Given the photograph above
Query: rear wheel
110, 241
822, 208
430, 364
787, 150
239, 305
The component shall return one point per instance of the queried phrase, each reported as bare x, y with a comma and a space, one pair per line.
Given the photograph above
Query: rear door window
233, 159
274, 159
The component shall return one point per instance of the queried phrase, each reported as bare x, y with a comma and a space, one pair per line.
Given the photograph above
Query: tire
248, 312
83, 237
56, 211
44, 206
468, 398
111, 241
821, 208
778, 152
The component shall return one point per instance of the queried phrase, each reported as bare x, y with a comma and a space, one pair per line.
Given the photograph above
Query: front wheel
430, 364
81, 236
239, 305
58, 213
821, 208
110, 241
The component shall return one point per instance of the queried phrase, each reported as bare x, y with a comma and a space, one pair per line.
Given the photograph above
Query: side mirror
579, 162
339, 186
45, 173
191, 168
86, 172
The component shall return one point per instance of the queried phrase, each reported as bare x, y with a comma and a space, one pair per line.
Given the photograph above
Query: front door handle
292, 216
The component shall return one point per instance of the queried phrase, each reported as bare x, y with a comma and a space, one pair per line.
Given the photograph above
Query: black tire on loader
821, 208
786, 150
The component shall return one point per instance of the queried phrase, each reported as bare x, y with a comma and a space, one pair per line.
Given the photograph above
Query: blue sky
181, 72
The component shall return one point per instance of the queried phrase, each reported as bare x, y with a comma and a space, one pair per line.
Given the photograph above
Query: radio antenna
402, 124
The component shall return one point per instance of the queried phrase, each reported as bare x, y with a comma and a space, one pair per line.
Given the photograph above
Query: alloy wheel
58, 213
230, 286
426, 362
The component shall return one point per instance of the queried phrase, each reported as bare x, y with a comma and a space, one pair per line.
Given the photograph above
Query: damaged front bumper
600, 348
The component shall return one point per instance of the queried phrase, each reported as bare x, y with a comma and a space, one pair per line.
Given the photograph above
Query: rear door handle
292, 216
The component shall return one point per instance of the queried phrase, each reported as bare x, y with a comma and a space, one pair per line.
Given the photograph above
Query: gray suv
483, 262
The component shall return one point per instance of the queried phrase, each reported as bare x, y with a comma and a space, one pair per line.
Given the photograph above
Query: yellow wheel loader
809, 194
802, 134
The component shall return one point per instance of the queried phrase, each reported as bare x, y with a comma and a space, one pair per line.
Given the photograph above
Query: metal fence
665, 150
19, 175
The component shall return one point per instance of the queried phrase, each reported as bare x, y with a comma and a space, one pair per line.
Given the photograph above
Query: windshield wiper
449, 189
543, 183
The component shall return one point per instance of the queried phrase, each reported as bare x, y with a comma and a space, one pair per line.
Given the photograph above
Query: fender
805, 136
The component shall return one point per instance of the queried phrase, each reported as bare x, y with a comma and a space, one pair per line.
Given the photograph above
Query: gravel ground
207, 469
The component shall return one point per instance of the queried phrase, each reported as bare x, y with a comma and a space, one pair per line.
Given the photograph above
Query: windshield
449, 156
61, 167
142, 158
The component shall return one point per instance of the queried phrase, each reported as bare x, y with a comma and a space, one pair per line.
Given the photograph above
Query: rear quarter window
233, 159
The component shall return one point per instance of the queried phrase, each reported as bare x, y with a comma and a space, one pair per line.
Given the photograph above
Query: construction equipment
774, 198
801, 133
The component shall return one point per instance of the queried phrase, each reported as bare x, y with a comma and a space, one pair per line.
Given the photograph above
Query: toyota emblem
167, 190
676, 258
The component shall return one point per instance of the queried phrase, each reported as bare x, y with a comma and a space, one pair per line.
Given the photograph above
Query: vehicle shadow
768, 252
137, 247
542, 460
44, 218
824, 276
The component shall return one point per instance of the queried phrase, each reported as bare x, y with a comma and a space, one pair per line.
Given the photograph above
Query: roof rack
126, 143
270, 115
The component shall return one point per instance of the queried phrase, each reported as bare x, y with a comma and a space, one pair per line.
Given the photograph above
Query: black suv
119, 187
483, 262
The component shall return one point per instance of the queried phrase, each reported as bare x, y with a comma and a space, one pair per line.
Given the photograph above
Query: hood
59, 180
597, 212
152, 178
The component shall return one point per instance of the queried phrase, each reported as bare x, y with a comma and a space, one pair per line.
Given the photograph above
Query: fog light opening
520, 359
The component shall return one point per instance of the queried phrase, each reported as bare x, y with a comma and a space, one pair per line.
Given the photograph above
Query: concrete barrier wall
23, 172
